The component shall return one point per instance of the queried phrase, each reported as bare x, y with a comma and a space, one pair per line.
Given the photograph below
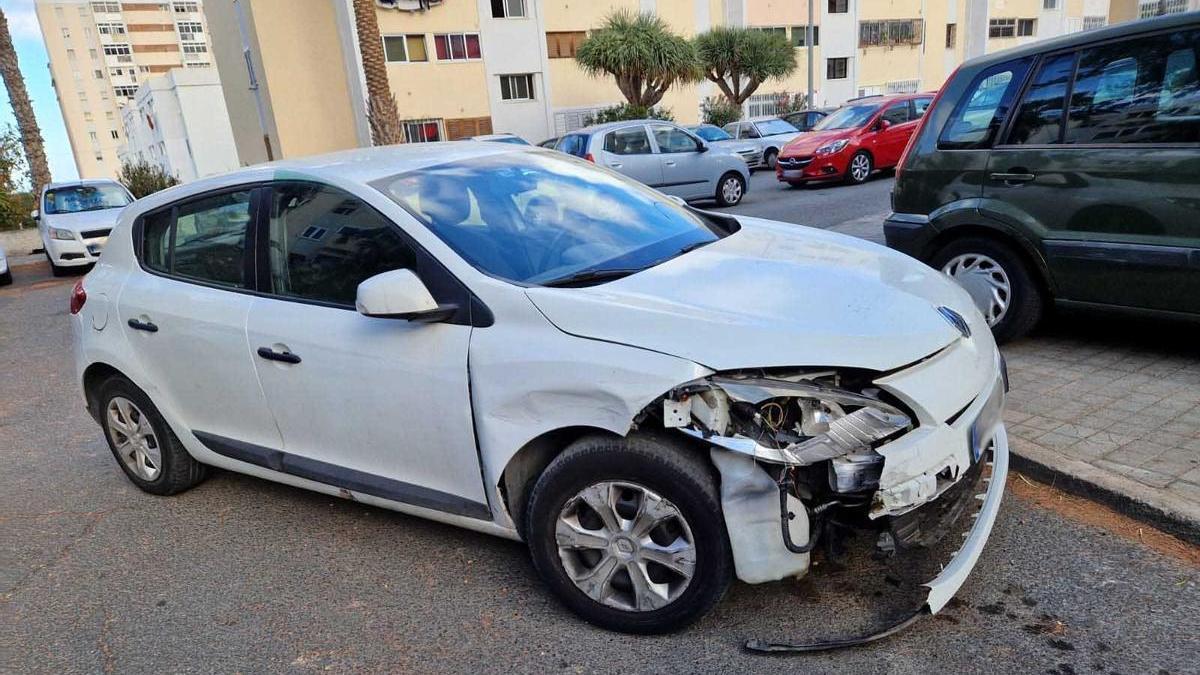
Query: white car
768, 132
656, 399
5, 272
74, 220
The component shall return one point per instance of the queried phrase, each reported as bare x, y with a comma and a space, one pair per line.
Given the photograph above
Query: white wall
839, 38
515, 46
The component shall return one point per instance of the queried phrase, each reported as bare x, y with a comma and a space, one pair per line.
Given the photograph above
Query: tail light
921, 127
589, 158
78, 297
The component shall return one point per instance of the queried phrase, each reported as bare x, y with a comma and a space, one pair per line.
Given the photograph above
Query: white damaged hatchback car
654, 398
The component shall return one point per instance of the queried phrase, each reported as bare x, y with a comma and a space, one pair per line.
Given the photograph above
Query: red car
863, 136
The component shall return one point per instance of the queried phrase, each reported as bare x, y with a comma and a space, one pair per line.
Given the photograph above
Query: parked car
804, 120
1027, 201
715, 136
664, 156
549, 143
521, 343
74, 220
769, 133
501, 138
5, 272
864, 136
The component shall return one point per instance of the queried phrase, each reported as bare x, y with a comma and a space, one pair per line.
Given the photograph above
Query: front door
891, 138
377, 406
1112, 193
628, 151
185, 317
683, 166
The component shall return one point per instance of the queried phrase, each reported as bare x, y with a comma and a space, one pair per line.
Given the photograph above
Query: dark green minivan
1065, 171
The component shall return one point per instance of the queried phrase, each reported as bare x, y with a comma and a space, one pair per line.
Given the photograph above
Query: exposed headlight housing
66, 235
832, 148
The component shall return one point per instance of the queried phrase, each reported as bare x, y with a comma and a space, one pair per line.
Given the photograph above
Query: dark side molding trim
340, 476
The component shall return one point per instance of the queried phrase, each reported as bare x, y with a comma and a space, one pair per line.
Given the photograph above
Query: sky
31, 53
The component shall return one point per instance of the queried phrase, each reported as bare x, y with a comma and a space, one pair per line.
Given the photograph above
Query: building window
835, 69
1049, 4
798, 36
190, 31
402, 48
92, 135
508, 9
195, 51
83, 97
422, 131
1002, 28
839, 6
1094, 22
70, 54
111, 28
99, 156
106, 7
66, 33
124, 91
781, 31
564, 44
99, 74
114, 133
108, 115
87, 116
516, 87
890, 32
122, 51
456, 46
951, 35
185, 7
92, 54
1026, 27
197, 64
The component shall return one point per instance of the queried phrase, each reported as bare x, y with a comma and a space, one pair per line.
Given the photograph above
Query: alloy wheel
986, 282
731, 190
133, 438
860, 167
625, 546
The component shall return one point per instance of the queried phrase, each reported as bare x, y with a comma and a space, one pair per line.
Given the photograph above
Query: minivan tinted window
1039, 119
982, 109
1138, 91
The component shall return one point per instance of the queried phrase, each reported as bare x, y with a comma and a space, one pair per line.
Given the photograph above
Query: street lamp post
808, 44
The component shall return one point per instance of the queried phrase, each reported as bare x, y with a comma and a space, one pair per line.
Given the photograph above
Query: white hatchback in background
769, 133
656, 399
5, 272
74, 220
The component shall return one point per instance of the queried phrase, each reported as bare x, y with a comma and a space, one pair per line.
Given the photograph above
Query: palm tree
641, 53
382, 110
740, 59
31, 135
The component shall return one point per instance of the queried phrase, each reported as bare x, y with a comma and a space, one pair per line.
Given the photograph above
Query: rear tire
139, 438
994, 273
623, 476
730, 189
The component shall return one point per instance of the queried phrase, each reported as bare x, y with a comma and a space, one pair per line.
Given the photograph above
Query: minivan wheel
860, 168
999, 282
730, 189
628, 533
145, 447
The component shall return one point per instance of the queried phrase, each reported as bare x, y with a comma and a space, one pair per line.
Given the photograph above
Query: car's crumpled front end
903, 454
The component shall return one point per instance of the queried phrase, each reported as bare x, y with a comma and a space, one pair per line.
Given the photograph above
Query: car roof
609, 126
485, 137
1120, 30
80, 183
761, 118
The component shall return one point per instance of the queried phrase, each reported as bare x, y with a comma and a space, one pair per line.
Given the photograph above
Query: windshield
850, 117
78, 198
711, 133
773, 127
543, 217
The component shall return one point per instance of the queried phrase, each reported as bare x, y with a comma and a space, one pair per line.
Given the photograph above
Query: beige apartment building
99, 53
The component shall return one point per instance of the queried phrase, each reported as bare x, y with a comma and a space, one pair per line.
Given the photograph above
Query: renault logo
955, 319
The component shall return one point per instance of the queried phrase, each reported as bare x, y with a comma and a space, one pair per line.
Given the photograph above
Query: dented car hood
771, 294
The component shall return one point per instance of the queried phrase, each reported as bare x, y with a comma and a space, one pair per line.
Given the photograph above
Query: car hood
771, 294
731, 145
807, 144
84, 220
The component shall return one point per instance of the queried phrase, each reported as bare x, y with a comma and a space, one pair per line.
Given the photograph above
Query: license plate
793, 173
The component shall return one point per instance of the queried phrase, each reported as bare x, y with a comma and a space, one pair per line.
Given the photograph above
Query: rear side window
920, 105
983, 107
1039, 118
1138, 91
631, 141
204, 240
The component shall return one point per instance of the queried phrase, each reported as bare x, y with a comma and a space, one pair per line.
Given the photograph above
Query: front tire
6, 278
999, 281
145, 447
628, 533
860, 167
730, 189
770, 157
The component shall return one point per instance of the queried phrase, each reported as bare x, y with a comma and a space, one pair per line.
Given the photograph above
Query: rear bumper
909, 233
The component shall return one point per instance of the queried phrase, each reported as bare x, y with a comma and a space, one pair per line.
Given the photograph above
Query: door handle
147, 326
669, 163
1014, 177
272, 355
615, 165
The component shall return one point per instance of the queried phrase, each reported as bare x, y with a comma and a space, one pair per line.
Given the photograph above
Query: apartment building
100, 52
179, 122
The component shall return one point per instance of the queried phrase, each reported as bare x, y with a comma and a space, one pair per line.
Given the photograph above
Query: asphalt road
245, 575
819, 205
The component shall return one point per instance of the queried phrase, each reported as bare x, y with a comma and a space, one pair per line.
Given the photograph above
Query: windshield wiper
588, 276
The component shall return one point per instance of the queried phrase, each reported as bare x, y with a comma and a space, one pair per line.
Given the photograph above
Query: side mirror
399, 294
701, 146
34, 214
884, 124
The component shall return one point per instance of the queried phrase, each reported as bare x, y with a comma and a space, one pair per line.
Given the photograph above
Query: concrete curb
1155, 507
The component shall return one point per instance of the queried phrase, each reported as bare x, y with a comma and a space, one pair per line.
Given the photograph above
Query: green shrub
719, 112
628, 111
143, 178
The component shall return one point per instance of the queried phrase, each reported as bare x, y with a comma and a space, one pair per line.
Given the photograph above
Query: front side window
628, 141
1138, 91
574, 144
670, 139
208, 239
775, 127
983, 107
544, 218
323, 243
77, 198
897, 113
1039, 119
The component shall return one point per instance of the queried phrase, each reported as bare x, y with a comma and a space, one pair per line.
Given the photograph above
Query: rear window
983, 107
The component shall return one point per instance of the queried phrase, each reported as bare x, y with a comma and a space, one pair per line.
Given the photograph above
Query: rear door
1103, 163
685, 171
629, 151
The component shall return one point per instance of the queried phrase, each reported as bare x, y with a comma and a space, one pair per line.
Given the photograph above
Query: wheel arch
1023, 248
95, 375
